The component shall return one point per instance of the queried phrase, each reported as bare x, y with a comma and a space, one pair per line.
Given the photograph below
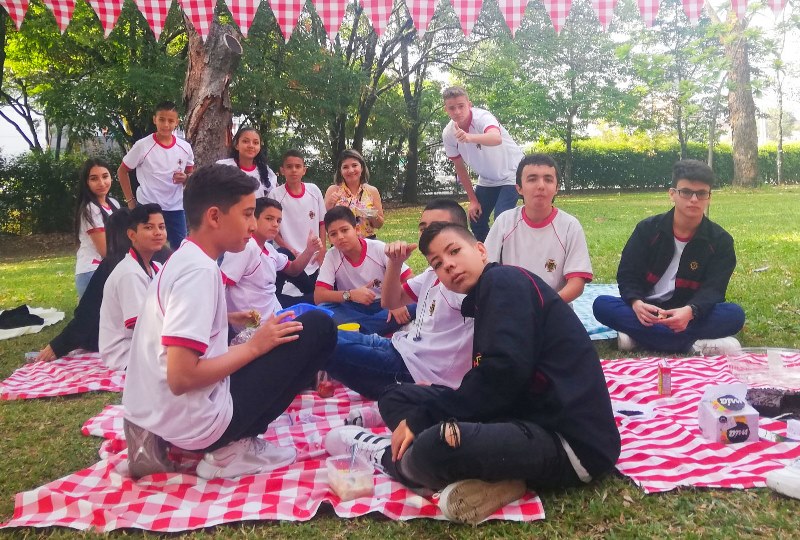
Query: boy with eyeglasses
673, 275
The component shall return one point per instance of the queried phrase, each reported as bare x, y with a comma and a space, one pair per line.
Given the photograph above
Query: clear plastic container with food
350, 476
767, 367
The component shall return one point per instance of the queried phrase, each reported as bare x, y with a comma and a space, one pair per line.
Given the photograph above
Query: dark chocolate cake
771, 402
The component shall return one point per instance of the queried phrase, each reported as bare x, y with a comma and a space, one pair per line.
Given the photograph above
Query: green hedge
600, 164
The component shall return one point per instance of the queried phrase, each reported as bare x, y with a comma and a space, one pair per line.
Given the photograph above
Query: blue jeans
175, 221
724, 320
367, 363
499, 199
82, 282
372, 318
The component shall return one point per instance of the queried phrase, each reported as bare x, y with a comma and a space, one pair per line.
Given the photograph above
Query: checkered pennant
740, 7
559, 11
286, 13
378, 12
421, 12
692, 8
331, 12
155, 13
648, 9
604, 9
777, 5
200, 13
513, 11
243, 12
62, 11
16, 9
468, 12
108, 12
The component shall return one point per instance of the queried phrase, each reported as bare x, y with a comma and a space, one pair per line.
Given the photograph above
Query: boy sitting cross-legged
350, 278
184, 386
533, 411
250, 274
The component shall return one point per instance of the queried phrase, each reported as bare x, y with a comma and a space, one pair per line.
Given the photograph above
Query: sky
11, 143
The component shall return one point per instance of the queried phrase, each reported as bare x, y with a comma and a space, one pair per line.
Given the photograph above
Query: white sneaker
251, 455
625, 343
472, 501
367, 417
342, 440
714, 347
785, 481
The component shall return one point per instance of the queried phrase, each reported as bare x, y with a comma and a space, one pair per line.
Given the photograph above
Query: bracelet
132, 199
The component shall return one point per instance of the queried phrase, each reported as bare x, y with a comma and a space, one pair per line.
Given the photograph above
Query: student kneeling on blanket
533, 411
184, 386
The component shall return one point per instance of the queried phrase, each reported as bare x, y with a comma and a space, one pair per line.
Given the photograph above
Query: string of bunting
287, 12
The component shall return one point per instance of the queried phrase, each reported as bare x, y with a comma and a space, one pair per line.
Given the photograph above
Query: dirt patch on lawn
36, 246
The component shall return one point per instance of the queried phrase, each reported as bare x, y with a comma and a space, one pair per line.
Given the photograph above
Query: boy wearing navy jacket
533, 411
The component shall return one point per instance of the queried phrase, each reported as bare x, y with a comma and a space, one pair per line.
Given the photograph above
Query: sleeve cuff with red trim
584, 275
173, 341
410, 293
130, 323
324, 285
96, 230
405, 275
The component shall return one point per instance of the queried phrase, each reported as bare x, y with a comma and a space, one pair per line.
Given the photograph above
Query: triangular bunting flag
286, 13
62, 11
740, 7
559, 11
378, 12
777, 6
243, 12
513, 11
468, 12
155, 13
331, 12
200, 13
648, 9
421, 12
16, 9
604, 9
692, 8
108, 12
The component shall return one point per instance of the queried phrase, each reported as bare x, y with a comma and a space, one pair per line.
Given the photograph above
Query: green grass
40, 440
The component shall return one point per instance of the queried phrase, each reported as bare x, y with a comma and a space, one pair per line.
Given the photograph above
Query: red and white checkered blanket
103, 498
76, 373
665, 450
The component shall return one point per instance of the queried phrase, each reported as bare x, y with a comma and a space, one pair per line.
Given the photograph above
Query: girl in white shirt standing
248, 154
94, 207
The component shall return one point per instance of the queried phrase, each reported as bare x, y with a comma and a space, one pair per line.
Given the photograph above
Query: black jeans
305, 283
263, 389
494, 451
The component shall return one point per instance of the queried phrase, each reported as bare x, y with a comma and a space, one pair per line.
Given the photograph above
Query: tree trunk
681, 132
742, 109
206, 92
3, 19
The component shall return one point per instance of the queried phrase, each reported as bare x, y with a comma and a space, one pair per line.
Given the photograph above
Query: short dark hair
351, 154
692, 170
537, 159
166, 106
452, 92
437, 227
457, 213
214, 185
262, 203
339, 213
141, 214
292, 152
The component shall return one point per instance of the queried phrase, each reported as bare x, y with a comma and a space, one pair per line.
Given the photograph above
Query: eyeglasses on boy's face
701, 194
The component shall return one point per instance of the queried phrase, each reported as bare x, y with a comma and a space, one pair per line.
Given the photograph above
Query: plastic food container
350, 477
767, 366
299, 309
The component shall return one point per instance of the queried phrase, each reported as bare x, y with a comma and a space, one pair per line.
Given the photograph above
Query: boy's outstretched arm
463, 177
392, 294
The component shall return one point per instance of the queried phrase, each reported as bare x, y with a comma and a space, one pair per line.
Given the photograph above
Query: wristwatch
346, 295
695, 311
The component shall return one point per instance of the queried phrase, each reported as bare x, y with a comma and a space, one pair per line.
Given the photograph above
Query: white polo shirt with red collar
88, 257
340, 272
262, 190
184, 307
302, 214
155, 164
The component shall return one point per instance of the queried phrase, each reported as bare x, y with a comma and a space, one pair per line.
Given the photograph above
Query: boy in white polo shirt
162, 162
538, 236
249, 275
303, 213
350, 278
184, 386
436, 349
475, 137
126, 287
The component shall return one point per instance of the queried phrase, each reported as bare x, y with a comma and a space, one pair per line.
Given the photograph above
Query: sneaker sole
212, 472
783, 483
472, 501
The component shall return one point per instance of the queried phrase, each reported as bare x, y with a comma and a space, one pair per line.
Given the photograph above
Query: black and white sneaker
342, 440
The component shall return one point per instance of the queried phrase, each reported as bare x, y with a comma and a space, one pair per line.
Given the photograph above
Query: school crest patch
476, 360
550, 265
311, 214
694, 265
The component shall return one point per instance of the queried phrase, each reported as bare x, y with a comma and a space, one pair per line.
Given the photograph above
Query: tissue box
725, 416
